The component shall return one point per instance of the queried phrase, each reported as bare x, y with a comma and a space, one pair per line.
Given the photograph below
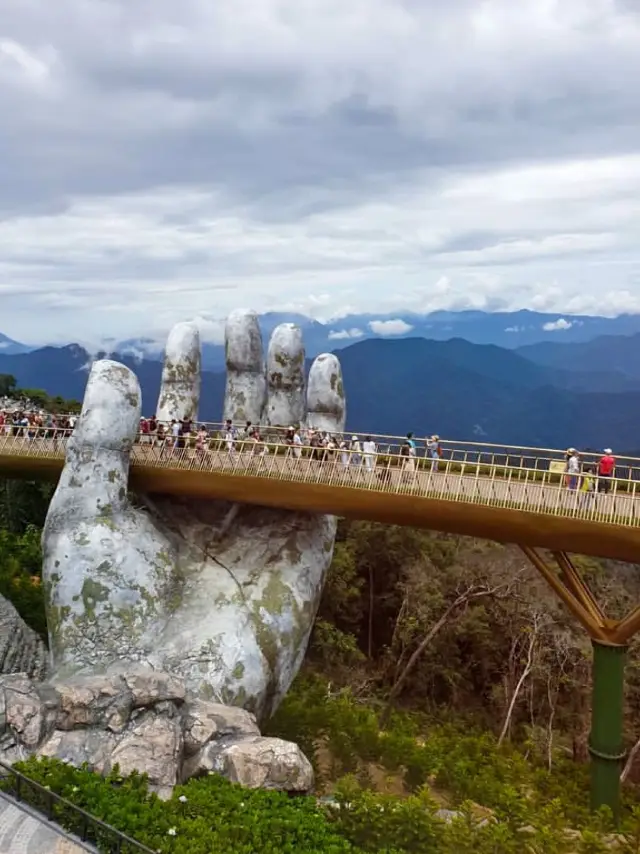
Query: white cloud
14, 54
402, 175
559, 324
514, 329
390, 327
211, 329
344, 334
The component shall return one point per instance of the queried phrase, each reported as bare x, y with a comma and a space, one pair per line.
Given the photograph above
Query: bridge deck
499, 502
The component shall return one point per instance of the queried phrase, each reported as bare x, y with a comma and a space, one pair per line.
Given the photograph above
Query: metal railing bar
87, 821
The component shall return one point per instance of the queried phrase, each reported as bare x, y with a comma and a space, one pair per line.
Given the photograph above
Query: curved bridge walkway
467, 480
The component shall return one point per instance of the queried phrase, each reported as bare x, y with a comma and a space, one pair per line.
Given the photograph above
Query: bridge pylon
609, 640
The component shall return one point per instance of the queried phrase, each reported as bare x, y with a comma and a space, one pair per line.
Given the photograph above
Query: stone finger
245, 390
98, 453
285, 376
181, 373
326, 402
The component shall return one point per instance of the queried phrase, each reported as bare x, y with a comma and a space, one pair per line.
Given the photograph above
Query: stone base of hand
143, 721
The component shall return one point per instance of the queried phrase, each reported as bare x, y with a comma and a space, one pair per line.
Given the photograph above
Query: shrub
204, 816
213, 816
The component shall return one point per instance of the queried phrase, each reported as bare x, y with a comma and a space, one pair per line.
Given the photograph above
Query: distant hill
468, 392
9, 346
460, 390
64, 371
618, 353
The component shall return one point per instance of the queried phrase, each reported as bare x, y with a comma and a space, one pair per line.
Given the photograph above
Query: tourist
369, 449
434, 451
175, 435
201, 442
229, 435
145, 432
296, 443
161, 439
408, 463
573, 469
356, 451
588, 488
606, 470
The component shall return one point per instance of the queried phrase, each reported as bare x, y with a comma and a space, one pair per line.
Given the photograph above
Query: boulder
143, 721
257, 763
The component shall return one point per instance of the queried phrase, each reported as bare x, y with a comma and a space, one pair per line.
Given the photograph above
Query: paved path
21, 832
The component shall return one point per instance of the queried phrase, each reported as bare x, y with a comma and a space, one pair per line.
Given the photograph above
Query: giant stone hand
222, 595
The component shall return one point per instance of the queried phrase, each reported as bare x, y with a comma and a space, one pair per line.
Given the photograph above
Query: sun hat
608, 451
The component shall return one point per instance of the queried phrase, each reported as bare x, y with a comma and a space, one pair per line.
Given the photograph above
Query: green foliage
215, 816
7, 385
43, 400
212, 816
463, 763
20, 576
23, 504
333, 647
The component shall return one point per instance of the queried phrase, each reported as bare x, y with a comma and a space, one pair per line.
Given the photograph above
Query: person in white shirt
229, 435
356, 451
369, 450
573, 469
433, 451
175, 434
297, 445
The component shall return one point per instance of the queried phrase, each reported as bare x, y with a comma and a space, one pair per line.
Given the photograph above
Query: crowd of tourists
583, 475
322, 445
34, 424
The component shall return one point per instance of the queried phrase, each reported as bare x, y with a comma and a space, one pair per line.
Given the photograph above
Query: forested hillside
441, 675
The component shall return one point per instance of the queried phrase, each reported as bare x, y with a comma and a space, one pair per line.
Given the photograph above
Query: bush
455, 760
20, 576
205, 816
213, 816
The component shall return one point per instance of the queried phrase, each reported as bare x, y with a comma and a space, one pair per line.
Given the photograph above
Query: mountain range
9, 346
510, 330
585, 394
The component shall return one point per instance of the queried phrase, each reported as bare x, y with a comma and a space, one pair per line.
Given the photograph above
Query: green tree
37, 396
23, 504
20, 576
7, 385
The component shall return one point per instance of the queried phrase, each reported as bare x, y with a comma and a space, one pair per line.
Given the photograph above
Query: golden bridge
507, 494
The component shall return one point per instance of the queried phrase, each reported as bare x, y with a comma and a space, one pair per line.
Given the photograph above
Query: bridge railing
492, 483
464, 453
68, 815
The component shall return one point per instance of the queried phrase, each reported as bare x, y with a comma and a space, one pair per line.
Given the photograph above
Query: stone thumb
98, 452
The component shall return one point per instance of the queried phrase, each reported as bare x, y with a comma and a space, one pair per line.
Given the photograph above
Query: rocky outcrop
144, 721
21, 649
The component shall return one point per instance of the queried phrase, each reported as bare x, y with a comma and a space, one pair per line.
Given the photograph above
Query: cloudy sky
162, 160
